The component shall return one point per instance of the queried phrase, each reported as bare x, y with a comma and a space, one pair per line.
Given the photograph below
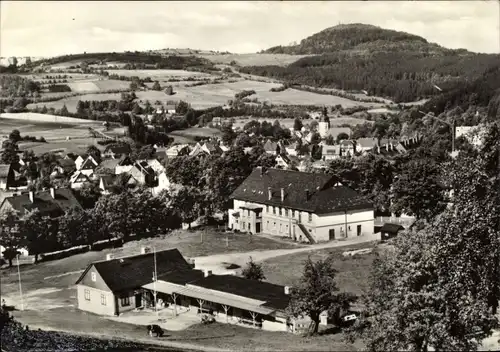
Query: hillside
361, 38
396, 65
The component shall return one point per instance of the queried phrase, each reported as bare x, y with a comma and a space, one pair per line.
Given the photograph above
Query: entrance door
257, 227
331, 234
138, 300
358, 230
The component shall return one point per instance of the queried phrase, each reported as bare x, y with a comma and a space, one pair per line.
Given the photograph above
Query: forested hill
396, 65
362, 38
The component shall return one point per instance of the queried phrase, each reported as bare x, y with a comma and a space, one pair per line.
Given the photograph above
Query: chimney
32, 196
307, 194
207, 272
52, 193
109, 256
282, 194
287, 290
145, 250
269, 193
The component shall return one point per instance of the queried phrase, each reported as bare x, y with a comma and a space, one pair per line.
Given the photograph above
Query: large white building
304, 206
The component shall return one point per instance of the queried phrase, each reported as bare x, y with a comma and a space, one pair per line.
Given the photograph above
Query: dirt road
217, 263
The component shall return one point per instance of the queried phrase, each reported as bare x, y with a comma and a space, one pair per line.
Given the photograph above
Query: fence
403, 221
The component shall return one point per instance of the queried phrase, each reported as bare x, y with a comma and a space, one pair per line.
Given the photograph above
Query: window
274, 210
280, 211
274, 225
249, 226
103, 299
310, 217
286, 212
349, 228
267, 208
87, 294
293, 213
125, 301
93, 276
267, 225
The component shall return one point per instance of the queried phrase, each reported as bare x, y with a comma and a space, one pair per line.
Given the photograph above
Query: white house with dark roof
311, 207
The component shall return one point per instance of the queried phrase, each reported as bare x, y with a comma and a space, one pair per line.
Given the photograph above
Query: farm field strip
254, 59
158, 74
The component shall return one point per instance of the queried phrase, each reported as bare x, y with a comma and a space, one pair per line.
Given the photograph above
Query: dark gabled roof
109, 163
273, 295
71, 156
393, 228
67, 164
43, 201
325, 193
117, 149
4, 170
132, 272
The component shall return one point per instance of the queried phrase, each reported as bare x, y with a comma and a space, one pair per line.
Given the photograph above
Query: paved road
215, 262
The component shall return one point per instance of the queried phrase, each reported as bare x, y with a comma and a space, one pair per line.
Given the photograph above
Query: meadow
254, 59
159, 75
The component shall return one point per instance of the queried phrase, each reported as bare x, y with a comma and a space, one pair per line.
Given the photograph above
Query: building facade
302, 206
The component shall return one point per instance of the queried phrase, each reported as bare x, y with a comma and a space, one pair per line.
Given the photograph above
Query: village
176, 177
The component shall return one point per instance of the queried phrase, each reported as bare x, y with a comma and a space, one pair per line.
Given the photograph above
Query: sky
50, 28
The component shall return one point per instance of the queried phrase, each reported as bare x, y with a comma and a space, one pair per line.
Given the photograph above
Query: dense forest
158, 61
385, 63
359, 37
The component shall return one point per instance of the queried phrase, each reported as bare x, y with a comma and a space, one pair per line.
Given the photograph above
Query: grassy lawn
353, 272
216, 335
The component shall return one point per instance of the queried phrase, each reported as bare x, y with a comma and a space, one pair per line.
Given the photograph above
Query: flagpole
20, 286
155, 277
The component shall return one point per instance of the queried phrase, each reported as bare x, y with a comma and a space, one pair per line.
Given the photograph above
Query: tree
316, 138
329, 140
253, 271
64, 111
297, 124
418, 190
317, 292
228, 135
415, 304
94, 152
156, 86
10, 237
88, 194
182, 107
188, 203
134, 85
15, 136
40, 233
342, 136
9, 152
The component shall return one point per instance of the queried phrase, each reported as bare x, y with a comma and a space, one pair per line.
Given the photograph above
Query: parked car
349, 320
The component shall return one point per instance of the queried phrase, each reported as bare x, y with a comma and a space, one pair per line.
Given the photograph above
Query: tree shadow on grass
330, 331
201, 338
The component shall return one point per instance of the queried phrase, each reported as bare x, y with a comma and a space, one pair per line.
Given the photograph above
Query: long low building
311, 207
113, 286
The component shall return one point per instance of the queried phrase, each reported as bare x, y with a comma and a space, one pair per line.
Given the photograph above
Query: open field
72, 101
159, 74
353, 272
98, 85
55, 133
254, 59
192, 132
